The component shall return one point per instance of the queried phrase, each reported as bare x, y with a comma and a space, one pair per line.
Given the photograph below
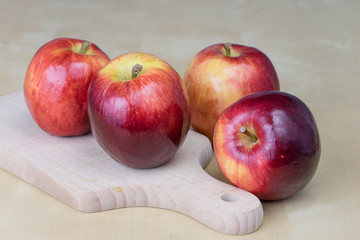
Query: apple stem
136, 70
249, 134
227, 47
84, 46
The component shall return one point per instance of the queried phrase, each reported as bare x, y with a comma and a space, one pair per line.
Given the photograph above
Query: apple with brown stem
268, 144
139, 110
221, 74
56, 85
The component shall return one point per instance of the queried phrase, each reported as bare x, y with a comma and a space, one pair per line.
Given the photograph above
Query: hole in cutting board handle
229, 197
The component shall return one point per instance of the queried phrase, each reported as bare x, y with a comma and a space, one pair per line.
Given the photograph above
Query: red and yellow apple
268, 144
139, 110
221, 74
56, 85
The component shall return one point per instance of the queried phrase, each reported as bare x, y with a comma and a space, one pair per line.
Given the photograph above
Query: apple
139, 110
268, 144
56, 84
221, 74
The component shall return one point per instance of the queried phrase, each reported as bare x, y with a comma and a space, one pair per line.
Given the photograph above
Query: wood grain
78, 172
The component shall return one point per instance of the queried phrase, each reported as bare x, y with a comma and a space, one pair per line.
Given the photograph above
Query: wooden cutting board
78, 172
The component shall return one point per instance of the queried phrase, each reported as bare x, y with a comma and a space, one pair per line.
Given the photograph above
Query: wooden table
314, 47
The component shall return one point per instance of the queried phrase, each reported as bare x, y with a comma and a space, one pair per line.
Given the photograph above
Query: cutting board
76, 171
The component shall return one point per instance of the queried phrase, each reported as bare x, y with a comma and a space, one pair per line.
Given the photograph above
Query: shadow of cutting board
78, 172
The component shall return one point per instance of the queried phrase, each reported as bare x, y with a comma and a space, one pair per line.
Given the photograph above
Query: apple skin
140, 122
285, 156
56, 84
214, 81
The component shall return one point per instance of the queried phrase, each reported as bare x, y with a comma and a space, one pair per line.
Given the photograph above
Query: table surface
314, 46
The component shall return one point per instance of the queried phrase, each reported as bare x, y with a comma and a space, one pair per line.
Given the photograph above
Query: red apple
139, 110
56, 85
221, 74
268, 144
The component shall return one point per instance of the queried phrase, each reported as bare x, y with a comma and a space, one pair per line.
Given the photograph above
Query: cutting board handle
220, 206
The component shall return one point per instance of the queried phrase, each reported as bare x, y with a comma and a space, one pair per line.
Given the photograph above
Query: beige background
314, 46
